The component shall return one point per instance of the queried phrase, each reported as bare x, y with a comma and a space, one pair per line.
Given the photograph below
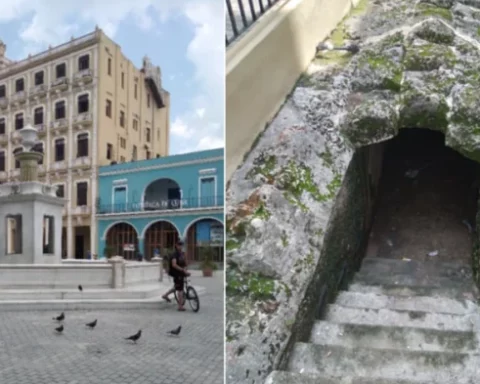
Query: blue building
145, 206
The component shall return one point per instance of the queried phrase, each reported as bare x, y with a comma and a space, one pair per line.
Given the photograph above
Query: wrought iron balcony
190, 203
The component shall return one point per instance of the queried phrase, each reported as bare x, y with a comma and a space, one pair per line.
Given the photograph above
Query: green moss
252, 285
232, 244
436, 119
284, 239
431, 10
327, 158
262, 212
263, 165
289, 323
307, 262
297, 179
429, 57
392, 71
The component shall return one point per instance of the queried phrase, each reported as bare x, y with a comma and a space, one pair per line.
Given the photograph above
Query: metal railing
161, 205
241, 14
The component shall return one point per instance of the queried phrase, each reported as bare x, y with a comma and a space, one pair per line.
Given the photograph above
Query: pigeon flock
60, 319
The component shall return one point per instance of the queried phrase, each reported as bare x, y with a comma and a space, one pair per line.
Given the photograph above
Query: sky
184, 37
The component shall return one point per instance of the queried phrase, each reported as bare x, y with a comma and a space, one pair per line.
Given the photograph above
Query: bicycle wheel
193, 299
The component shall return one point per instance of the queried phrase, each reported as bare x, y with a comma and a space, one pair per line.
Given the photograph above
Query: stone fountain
30, 212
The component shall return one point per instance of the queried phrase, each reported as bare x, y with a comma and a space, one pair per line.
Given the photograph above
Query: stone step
388, 317
415, 303
155, 302
381, 337
92, 294
420, 269
421, 366
406, 280
285, 377
397, 290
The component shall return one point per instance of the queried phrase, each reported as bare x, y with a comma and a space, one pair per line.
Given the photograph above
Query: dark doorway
427, 200
79, 246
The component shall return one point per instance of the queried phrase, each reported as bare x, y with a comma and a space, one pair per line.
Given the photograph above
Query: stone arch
189, 236
160, 194
425, 77
160, 234
118, 234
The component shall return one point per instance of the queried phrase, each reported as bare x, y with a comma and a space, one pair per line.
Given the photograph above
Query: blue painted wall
122, 188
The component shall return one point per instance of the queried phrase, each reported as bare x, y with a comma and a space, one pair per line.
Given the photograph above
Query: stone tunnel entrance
426, 203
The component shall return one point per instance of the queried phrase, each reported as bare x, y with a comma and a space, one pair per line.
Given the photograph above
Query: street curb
89, 304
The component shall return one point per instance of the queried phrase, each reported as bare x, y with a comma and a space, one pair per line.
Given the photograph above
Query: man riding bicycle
177, 270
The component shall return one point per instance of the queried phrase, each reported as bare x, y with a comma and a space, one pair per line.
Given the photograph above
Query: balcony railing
241, 14
204, 202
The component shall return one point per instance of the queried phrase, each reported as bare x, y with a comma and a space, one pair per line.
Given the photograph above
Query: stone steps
412, 303
388, 337
419, 329
336, 361
284, 377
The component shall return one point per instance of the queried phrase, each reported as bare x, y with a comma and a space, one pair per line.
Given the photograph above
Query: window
38, 116
148, 100
82, 145
38, 148
108, 108
122, 159
148, 137
82, 189
134, 153
14, 234
135, 91
83, 104
123, 143
148, 155
60, 190
39, 78
48, 234
109, 151
18, 121
109, 66
17, 163
122, 119
123, 80
135, 124
3, 91
83, 62
2, 162
60, 71
19, 85
59, 149
3, 125
60, 110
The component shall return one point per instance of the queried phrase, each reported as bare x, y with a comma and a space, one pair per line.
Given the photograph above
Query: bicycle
190, 294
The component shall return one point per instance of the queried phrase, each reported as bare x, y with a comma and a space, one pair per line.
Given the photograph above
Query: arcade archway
122, 240
161, 235
162, 194
205, 232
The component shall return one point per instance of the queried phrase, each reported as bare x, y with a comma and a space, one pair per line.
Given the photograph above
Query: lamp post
28, 159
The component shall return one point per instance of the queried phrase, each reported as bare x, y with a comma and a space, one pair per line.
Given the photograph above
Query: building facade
91, 107
146, 206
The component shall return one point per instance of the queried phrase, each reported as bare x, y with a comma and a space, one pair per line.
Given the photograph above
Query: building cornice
161, 166
160, 213
51, 54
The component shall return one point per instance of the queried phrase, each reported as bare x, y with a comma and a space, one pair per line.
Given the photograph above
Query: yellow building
92, 107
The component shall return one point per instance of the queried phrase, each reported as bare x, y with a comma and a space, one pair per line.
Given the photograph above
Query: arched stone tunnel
427, 199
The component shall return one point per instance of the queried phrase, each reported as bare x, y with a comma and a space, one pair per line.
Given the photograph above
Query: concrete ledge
263, 66
86, 304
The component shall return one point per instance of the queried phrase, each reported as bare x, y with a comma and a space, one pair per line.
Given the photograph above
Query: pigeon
80, 288
59, 329
135, 337
328, 46
61, 317
92, 324
176, 331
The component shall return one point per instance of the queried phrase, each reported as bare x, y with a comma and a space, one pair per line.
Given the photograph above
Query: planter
207, 272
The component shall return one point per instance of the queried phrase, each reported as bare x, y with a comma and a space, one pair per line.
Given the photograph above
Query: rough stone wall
418, 66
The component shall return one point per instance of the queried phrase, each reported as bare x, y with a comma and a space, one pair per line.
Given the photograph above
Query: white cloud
50, 22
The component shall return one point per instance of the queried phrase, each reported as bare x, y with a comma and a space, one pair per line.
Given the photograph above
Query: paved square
30, 352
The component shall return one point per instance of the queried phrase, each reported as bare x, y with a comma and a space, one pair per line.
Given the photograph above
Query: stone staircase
400, 322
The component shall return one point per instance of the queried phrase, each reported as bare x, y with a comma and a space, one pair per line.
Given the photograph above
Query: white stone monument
30, 212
